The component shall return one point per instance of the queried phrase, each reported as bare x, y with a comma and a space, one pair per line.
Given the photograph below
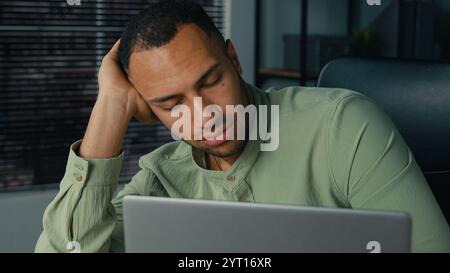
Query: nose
205, 115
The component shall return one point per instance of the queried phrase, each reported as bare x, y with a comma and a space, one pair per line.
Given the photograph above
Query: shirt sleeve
374, 169
85, 202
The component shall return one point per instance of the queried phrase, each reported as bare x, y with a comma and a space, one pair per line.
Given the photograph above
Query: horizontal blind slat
49, 56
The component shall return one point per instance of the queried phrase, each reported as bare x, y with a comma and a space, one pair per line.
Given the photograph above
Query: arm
374, 168
82, 210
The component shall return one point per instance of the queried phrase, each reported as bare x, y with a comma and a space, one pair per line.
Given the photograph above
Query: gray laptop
155, 224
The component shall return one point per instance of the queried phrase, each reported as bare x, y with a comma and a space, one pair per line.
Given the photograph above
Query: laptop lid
156, 224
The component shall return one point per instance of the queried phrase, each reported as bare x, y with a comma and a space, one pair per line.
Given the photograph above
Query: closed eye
215, 82
170, 108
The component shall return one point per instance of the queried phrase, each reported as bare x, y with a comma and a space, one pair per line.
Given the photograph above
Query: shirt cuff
92, 172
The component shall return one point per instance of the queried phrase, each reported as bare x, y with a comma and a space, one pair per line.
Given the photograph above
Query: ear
232, 54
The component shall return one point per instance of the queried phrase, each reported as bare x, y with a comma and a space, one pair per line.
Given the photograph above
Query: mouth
216, 139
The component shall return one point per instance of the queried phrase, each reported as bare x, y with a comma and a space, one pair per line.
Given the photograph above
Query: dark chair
416, 95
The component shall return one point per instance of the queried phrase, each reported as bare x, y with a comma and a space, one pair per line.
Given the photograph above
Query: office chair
416, 95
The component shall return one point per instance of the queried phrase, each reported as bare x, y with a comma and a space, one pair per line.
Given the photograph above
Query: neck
221, 163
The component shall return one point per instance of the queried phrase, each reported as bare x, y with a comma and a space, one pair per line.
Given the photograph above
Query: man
336, 148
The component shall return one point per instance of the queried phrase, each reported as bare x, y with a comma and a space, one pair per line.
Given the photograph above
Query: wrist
120, 105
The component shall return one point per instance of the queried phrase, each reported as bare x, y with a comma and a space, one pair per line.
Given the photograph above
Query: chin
225, 149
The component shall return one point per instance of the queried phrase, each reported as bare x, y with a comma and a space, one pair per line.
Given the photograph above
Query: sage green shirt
336, 149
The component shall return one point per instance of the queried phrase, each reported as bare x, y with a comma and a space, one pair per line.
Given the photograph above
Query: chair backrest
416, 95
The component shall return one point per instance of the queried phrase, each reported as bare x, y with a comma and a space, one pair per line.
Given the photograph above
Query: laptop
171, 225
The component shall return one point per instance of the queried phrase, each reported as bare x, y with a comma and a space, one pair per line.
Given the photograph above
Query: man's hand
113, 84
117, 102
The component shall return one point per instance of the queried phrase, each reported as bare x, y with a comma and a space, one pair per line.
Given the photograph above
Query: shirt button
78, 177
231, 179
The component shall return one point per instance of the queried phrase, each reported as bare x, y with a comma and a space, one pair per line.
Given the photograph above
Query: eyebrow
198, 82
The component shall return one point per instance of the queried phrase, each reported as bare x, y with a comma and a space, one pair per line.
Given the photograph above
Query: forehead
179, 62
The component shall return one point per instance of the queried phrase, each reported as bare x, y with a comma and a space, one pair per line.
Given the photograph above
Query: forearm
82, 210
106, 129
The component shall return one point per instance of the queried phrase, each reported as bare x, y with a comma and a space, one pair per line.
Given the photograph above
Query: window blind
50, 52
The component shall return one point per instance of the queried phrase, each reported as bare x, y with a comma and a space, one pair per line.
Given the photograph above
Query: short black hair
159, 22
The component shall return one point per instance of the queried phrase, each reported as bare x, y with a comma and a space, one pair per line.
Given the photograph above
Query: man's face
191, 65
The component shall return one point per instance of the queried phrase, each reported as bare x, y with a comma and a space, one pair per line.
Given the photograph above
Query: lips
213, 143
216, 139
